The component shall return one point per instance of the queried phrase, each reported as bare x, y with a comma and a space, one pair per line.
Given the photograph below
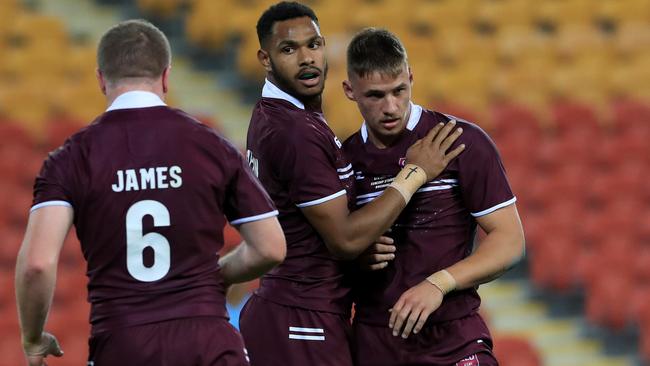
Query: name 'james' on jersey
149, 188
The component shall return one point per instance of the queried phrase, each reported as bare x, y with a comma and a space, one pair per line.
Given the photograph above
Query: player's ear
410, 74
101, 81
265, 59
347, 89
165, 78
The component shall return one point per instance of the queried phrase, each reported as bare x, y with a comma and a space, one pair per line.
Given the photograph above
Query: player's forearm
245, 263
34, 289
364, 226
497, 253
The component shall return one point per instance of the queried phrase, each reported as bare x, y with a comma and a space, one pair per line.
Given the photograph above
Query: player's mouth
389, 124
309, 77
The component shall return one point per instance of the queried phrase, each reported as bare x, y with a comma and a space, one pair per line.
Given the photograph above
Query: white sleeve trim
50, 203
263, 216
494, 208
321, 200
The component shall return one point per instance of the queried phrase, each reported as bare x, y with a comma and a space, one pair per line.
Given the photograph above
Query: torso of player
299, 161
150, 188
434, 231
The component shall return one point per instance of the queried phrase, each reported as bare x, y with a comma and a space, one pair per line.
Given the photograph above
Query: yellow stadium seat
573, 40
247, 62
504, 12
207, 24
8, 11
632, 37
28, 104
563, 11
161, 8
34, 30
622, 11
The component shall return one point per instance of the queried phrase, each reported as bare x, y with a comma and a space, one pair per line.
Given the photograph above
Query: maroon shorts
285, 336
189, 341
460, 342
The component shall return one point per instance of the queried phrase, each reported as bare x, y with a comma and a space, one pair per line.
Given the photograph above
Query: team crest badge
468, 361
402, 162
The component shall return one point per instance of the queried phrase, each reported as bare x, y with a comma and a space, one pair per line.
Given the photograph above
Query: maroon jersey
150, 186
438, 226
299, 161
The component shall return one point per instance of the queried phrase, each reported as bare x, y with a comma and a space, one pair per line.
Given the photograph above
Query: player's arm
36, 268
501, 249
348, 234
263, 248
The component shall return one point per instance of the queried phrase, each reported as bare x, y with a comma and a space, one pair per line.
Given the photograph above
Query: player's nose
305, 56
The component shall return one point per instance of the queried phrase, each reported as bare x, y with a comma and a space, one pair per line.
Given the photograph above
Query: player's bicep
46, 231
266, 237
506, 219
328, 218
504, 228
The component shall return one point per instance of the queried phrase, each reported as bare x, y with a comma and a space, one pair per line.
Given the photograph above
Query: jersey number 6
136, 243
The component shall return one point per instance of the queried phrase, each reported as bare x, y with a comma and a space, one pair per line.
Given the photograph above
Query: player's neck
382, 141
114, 91
313, 103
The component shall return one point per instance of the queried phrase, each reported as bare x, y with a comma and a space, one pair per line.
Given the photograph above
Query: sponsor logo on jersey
337, 142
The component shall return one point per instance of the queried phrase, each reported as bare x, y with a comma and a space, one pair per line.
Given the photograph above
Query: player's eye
287, 49
315, 45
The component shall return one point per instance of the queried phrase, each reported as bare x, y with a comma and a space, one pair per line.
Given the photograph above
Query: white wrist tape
443, 280
409, 180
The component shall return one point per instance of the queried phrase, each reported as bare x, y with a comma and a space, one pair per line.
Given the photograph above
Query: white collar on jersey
272, 91
136, 99
414, 118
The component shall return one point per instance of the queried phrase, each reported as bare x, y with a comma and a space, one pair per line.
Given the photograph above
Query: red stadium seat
606, 296
552, 262
231, 238
515, 351
58, 130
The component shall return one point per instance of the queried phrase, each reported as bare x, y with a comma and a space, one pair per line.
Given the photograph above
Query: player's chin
309, 92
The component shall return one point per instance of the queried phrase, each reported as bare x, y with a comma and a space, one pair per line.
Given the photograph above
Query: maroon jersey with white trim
438, 227
299, 161
149, 188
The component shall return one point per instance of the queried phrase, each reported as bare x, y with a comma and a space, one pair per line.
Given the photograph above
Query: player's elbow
518, 249
34, 269
276, 250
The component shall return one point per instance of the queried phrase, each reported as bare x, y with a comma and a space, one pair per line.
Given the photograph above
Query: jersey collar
414, 119
136, 99
272, 91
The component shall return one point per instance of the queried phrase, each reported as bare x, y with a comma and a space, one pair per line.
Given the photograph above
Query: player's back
299, 161
149, 188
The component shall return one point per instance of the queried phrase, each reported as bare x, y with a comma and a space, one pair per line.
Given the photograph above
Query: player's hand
36, 352
378, 255
413, 308
430, 152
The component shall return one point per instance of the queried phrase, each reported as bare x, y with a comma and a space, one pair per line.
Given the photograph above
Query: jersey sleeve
305, 160
54, 184
482, 177
246, 200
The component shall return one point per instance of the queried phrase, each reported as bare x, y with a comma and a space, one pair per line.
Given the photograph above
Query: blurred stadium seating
563, 87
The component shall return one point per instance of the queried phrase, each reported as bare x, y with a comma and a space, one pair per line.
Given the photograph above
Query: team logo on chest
402, 162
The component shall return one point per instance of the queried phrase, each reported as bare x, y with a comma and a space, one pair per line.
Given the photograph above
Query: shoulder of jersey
352, 141
431, 118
